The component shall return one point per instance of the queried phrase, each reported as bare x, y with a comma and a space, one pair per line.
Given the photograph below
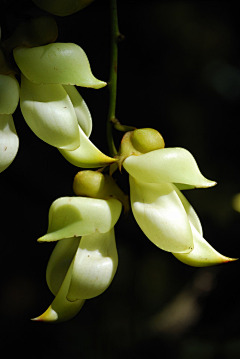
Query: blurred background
179, 72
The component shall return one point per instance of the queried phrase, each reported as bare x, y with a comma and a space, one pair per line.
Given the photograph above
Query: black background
179, 72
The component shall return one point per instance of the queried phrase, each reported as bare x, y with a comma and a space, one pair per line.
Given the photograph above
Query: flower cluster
50, 103
84, 260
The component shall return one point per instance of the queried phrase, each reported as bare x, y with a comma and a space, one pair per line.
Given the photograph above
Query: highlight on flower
84, 260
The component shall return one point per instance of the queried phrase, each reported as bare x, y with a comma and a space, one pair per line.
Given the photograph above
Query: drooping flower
160, 209
52, 106
84, 261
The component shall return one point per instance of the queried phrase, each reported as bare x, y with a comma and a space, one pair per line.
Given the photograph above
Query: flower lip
167, 165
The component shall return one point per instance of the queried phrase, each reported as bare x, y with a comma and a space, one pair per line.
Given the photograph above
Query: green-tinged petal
9, 94
203, 255
166, 165
82, 112
59, 262
94, 267
57, 63
49, 113
86, 155
80, 216
62, 7
192, 215
182, 186
161, 215
61, 309
9, 141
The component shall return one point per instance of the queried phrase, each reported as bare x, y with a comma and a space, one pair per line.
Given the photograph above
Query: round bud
147, 139
89, 184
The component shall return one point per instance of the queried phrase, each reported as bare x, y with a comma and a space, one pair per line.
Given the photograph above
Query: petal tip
48, 316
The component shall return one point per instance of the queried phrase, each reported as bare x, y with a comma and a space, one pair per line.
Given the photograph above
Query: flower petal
94, 267
86, 155
60, 261
80, 216
9, 141
49, 113
62, 7
82, 112
61, 309
192, 215
56, 63
203, 255
161, 215
166, 165
9, 94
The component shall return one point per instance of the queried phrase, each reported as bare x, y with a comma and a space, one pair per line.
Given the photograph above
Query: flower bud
97, 185
147, 139
138, 142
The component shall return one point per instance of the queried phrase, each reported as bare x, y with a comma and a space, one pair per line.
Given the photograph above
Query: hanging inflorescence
84, 260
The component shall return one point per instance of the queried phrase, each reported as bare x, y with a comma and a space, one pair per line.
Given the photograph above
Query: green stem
112, 84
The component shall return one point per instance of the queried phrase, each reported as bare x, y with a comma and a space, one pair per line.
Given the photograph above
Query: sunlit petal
61, 309
166, 165
203, 254
82, 112
161, 215
79, 216
56, 63
49, 113
94, 267
192, 215
59, 262
87, 155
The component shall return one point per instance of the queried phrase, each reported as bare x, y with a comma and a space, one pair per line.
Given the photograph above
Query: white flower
84, 261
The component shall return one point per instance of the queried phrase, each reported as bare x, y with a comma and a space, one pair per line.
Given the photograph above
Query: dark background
179, 72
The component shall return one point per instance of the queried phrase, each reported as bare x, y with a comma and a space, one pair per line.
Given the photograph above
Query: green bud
98, 185
146, 140
139, 142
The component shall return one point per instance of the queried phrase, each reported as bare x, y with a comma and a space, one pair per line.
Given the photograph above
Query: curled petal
60, 261
61, 309
57, 63
86, 155
166, 165
203, 255
49, 113
9, 94
82, 112
9, 141
80, 216
94, 267
62, 7
192, 215
161, 215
